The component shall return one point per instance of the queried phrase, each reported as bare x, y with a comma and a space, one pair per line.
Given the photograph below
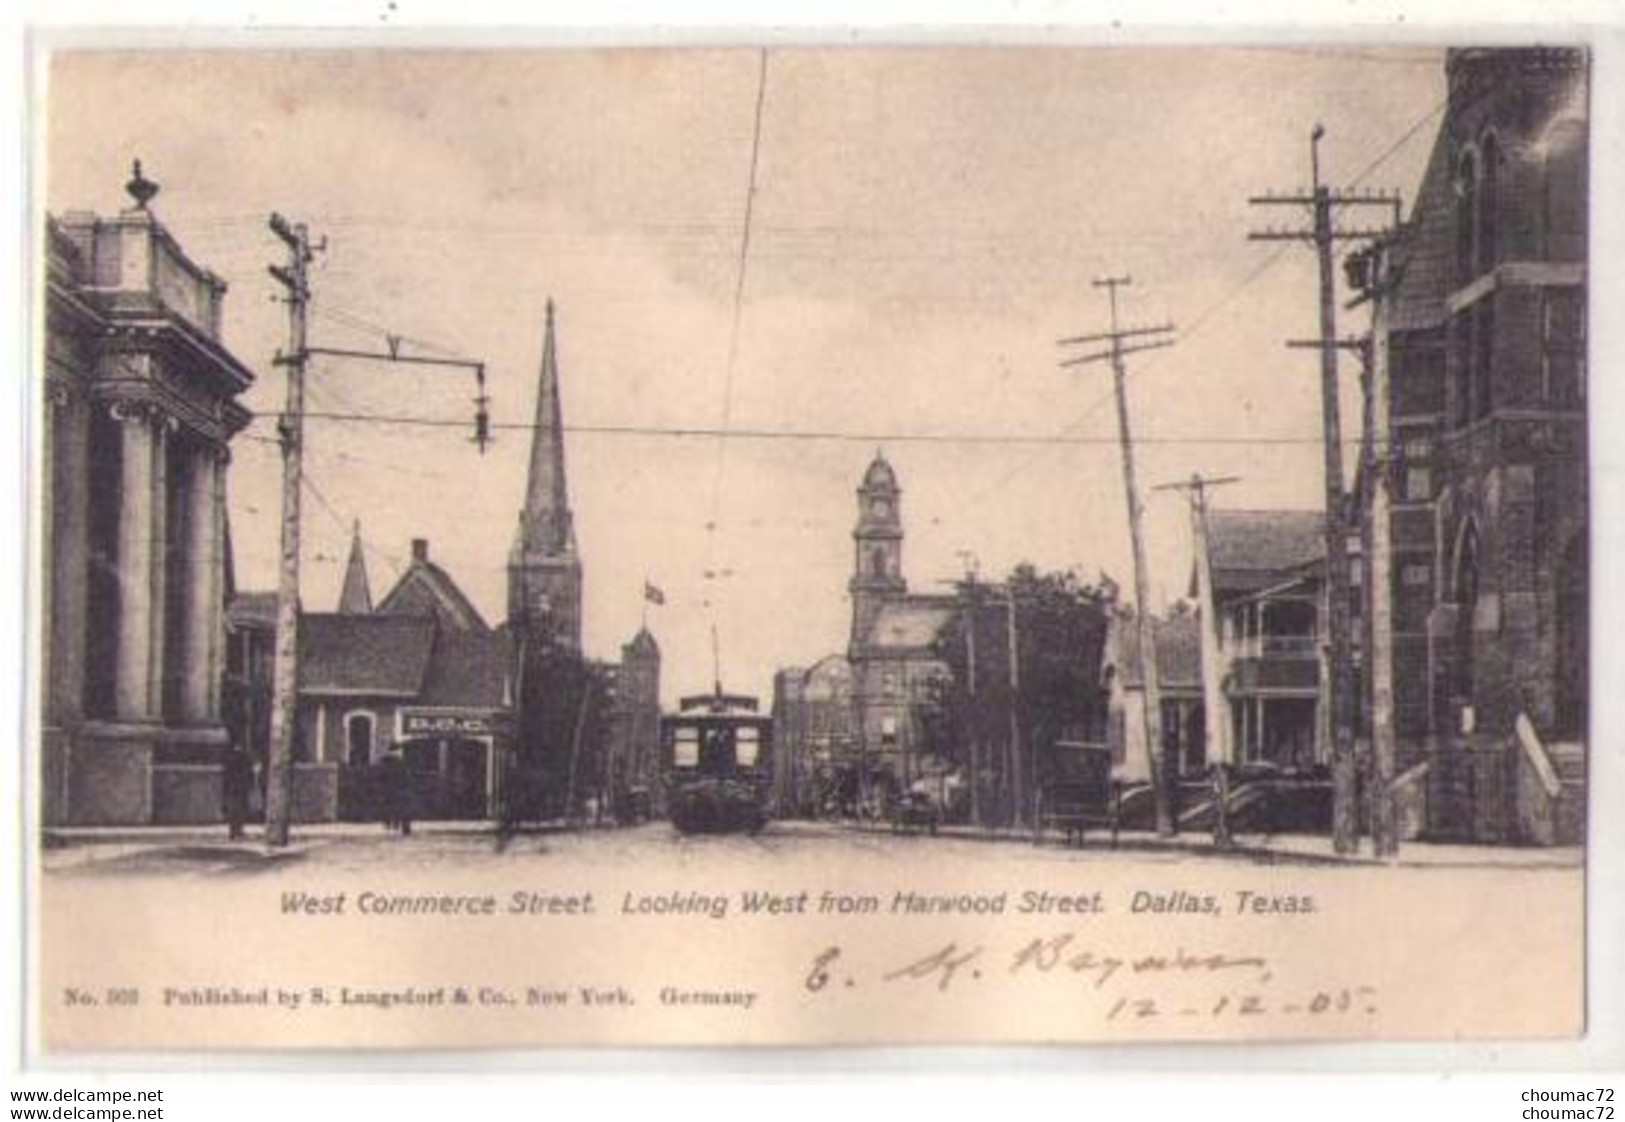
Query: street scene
815, 458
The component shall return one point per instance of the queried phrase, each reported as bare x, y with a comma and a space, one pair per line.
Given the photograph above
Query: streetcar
718, 756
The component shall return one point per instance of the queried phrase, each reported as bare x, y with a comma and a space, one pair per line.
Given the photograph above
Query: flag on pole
652, 594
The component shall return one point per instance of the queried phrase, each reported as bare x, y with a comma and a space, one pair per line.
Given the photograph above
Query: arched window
1487, 252
1466, 600
1573, 609
1466, 219
1564, 217
358, 739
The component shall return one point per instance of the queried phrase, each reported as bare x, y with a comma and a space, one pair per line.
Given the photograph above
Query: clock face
880, 507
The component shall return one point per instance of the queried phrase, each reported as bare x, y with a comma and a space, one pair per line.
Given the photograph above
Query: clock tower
877, 573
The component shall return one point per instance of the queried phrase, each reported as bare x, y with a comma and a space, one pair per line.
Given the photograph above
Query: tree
561, 733
1001, 727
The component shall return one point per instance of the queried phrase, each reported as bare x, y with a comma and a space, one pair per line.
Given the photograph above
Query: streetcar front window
747, 746
686, 748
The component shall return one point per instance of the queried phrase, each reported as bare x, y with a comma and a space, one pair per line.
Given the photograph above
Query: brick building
815, 736
142, 403
1479, 345
896, 664
422, 671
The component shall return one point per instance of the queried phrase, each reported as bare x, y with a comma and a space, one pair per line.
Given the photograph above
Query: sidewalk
1306, 849
77, 847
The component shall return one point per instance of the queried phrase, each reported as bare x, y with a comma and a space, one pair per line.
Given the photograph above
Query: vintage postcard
810, 545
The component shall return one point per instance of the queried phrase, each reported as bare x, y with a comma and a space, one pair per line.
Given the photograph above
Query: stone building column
200, 619
132, 673
159, 662
220, 458
70, 548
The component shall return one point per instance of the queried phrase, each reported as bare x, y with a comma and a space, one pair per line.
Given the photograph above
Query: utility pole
1018, 777
1150, 338
1376, 550
1218, 747
1370, 275
1324, 203
291, 430
294, 278
1380, 613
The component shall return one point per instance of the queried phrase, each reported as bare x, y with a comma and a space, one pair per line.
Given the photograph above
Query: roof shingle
371, 654
1247, 547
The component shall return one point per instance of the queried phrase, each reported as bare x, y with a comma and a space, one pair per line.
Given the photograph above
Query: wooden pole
1151, 693
976, 803
1339, 701
1018, 775
1345, 822
1380, 610
1218, 747
285, 664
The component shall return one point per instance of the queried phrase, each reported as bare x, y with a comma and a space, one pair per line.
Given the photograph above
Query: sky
925, 225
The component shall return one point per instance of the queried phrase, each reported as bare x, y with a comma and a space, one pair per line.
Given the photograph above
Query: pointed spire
545, 523
356, 599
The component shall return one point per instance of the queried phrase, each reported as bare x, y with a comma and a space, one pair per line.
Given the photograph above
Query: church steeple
545, 524
356, 598
544, 573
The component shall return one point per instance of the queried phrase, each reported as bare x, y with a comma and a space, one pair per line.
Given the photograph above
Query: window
1564, 219
1461, 366
1466, 219
358, 739
1418, 484
1487, 251
1483, 362
1416, 576
686, 747
888, 730
1563, 347
1466, 601
1474, 332
1478, 200
747, 746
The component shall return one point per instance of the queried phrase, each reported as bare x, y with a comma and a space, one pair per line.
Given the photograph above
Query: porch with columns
149, 750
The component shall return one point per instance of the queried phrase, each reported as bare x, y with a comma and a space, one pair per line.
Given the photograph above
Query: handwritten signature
952, 964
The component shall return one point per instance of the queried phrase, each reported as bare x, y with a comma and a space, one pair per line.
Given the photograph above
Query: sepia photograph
809, 545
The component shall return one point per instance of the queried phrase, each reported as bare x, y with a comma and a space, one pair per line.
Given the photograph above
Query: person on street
236, 777
397, 792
